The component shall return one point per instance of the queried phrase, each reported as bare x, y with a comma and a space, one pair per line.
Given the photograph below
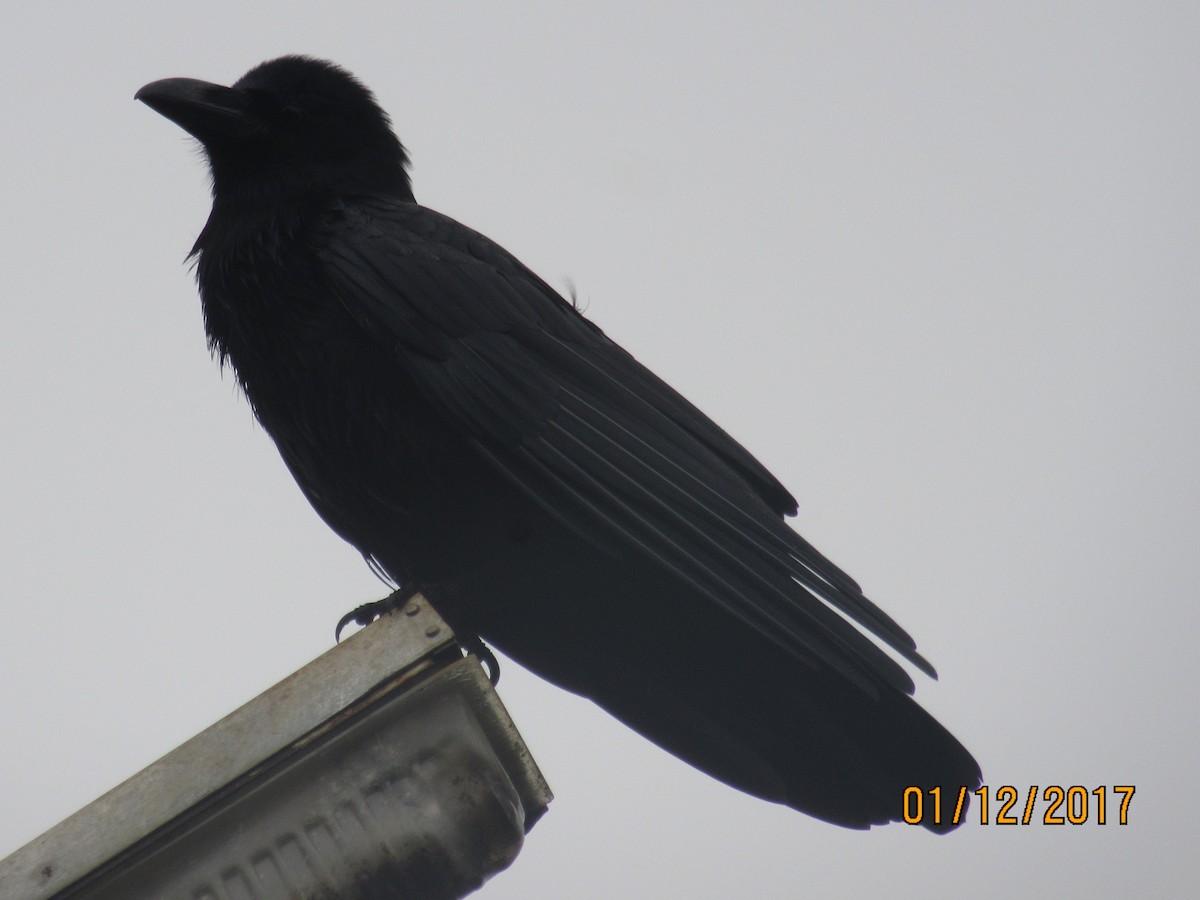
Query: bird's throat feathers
254, 277
249, 188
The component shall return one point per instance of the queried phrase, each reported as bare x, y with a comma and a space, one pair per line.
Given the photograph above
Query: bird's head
293, 125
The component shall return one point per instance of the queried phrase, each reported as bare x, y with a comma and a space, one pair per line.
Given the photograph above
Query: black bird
475, 437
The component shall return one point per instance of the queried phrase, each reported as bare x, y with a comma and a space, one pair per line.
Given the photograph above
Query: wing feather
594, 437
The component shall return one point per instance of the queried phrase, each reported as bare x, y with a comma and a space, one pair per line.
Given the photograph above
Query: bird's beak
206, 111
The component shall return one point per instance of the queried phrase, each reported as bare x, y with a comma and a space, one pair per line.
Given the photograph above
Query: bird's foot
486, 657
369, 612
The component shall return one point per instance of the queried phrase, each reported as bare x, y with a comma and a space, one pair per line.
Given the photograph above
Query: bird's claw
369, 612
486, 657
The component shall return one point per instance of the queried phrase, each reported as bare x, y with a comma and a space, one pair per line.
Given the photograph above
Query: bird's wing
593, 436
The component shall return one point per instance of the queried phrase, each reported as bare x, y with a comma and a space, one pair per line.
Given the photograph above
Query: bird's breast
366, 448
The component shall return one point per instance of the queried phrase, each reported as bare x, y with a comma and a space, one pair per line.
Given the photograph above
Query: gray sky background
937, 265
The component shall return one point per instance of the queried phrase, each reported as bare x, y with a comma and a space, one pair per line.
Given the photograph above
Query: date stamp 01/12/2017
1052, 805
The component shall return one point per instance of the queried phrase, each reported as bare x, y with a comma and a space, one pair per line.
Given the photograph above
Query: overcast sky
937, 265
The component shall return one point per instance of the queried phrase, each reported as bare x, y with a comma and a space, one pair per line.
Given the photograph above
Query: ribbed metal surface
417, 785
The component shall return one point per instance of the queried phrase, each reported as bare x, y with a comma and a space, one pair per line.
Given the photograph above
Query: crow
462, 425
